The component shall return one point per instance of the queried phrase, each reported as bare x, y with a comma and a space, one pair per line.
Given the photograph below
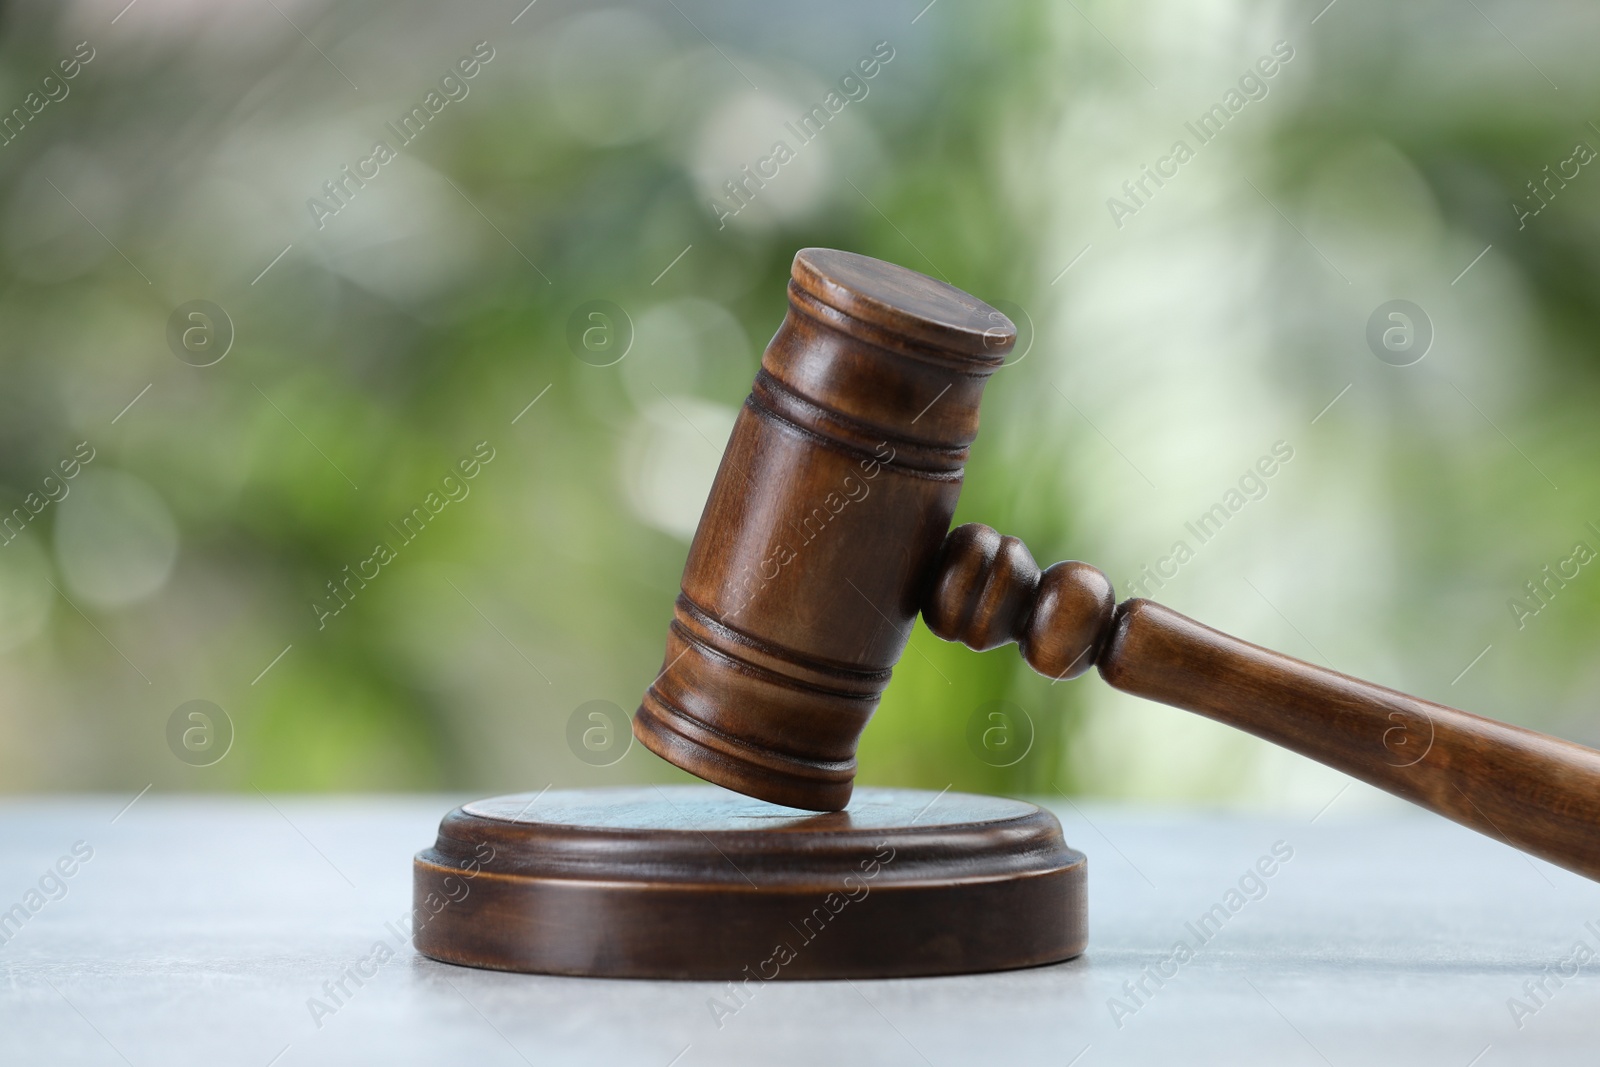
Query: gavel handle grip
1536, 793
1533, 792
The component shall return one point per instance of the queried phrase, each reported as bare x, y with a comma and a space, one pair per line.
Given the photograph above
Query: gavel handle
1536, 793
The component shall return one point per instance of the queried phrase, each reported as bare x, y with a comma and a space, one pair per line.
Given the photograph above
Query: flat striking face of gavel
827, 532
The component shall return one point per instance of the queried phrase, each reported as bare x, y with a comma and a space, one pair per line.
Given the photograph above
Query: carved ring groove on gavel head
825, 534
821, 532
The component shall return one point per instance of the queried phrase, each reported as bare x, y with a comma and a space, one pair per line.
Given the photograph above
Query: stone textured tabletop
216, 931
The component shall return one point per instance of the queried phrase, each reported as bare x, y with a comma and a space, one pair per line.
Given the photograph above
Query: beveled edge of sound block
696, 882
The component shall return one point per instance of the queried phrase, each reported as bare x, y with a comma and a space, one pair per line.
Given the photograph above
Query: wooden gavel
825, 535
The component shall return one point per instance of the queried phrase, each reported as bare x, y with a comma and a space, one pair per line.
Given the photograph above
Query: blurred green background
1170, 343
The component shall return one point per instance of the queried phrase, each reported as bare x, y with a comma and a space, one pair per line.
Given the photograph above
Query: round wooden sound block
693, 881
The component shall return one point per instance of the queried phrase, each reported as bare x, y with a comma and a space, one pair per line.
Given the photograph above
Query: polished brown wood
832, 501
696, 882
988, 591
825, 534
1537, 793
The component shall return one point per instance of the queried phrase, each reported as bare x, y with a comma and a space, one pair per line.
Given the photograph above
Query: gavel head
819, 539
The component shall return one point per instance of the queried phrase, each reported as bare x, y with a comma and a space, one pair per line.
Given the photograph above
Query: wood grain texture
1534, 792
987, 591
825, 534
696, 882
821, 529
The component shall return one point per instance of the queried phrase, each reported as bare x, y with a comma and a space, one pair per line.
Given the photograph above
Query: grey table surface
201, 930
